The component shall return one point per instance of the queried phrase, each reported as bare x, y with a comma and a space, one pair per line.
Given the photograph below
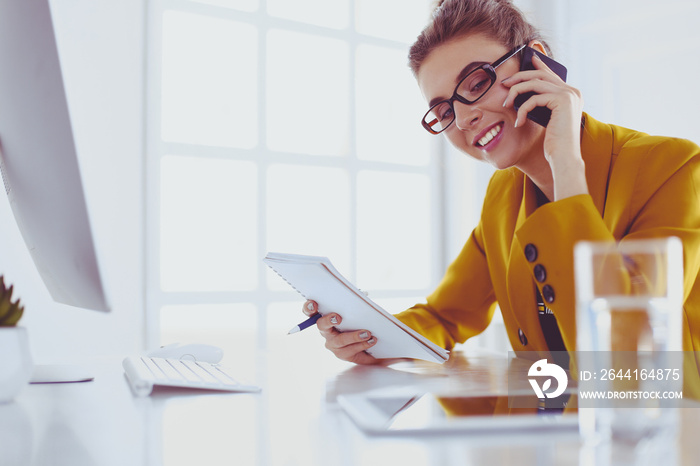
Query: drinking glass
629, 298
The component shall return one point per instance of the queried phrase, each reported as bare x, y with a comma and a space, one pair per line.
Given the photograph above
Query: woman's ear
537, 45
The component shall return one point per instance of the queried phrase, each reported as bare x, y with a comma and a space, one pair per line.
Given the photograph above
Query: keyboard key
144, 372
201, 374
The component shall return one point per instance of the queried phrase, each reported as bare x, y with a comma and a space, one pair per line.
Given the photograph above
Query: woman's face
485, 129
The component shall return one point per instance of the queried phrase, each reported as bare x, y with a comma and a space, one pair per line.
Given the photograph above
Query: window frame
156, 149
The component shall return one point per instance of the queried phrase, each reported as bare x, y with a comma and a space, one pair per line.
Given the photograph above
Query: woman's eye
478, 85
475, 84
444, 113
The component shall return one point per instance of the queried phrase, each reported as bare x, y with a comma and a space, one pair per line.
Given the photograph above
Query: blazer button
540, 273
531, 253
548, 293
523, 338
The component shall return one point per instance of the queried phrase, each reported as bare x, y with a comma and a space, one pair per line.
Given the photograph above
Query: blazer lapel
597, 150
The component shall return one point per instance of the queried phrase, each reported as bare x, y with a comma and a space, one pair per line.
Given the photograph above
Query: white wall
635, 61
101, 49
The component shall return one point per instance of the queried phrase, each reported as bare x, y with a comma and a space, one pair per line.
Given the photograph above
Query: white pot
15, 362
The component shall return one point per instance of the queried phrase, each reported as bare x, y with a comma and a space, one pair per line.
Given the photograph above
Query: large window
287, 126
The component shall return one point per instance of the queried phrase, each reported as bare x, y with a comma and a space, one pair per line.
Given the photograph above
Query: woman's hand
562, 141
348, 346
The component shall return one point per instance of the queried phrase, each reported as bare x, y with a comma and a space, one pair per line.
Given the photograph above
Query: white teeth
489, 136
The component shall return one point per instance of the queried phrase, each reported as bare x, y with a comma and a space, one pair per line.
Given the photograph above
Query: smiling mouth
488, 137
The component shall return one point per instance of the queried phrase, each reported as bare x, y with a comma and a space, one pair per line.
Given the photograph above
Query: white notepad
315, 278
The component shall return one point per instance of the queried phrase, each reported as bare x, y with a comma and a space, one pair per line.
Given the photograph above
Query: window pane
389, 108
209, 84
396, 305
244, 5
308, 213
307, 94
332, 14
635, 75
393, 230
208, 224
392, 19
281, 317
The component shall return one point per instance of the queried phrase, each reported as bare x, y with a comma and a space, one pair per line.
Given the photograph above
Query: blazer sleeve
651, 195
463, 303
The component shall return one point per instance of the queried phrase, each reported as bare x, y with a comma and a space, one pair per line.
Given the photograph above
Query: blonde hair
498, 19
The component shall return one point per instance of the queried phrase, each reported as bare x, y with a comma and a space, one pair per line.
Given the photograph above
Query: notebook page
315, 278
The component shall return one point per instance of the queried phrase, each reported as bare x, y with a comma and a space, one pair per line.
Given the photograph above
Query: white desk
294, 421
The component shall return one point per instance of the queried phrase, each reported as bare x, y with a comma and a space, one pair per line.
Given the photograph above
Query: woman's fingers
344, 344
326, 324
310, 308
340, 340
537, 100
353, 352
534, 84
348, 346
559, 97
541, 80
541, 71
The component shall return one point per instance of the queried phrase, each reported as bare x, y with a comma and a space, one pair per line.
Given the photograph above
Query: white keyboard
144, 372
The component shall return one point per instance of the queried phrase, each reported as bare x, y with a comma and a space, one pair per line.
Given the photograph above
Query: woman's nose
466, 116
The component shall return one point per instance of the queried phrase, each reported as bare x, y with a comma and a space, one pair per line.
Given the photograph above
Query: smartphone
539, 115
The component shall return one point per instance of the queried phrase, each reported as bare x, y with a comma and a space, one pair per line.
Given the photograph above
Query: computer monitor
40, 168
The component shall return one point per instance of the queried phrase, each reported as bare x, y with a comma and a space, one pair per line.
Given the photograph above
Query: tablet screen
429, 412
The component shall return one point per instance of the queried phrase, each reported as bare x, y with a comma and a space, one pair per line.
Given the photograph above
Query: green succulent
10, 312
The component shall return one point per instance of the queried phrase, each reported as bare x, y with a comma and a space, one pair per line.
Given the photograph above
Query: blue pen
306, 324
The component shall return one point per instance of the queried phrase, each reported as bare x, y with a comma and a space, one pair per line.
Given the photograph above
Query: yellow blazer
640, 186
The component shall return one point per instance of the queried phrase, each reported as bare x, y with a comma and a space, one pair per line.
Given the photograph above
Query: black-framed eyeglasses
469, 89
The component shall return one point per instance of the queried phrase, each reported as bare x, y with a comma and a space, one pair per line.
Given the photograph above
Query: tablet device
408, 411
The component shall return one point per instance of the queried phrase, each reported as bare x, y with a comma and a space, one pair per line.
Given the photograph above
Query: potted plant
15, 359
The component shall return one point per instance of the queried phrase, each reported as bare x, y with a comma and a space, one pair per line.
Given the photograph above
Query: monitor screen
38, 158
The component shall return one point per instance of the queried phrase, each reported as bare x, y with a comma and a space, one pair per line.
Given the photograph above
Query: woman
575, 179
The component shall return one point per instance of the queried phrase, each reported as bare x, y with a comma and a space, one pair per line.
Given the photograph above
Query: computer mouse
191, 352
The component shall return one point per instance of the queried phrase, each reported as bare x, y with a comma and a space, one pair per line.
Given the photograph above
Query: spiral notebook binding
288, 283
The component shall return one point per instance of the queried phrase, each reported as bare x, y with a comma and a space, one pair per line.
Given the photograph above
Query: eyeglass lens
471, 89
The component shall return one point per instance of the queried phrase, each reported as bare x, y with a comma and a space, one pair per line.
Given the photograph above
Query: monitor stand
59, 373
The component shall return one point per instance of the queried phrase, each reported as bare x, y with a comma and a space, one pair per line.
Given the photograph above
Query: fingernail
364, 335
516, 123
504, 102
310, 306
371, 341
505, 80
334, 320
